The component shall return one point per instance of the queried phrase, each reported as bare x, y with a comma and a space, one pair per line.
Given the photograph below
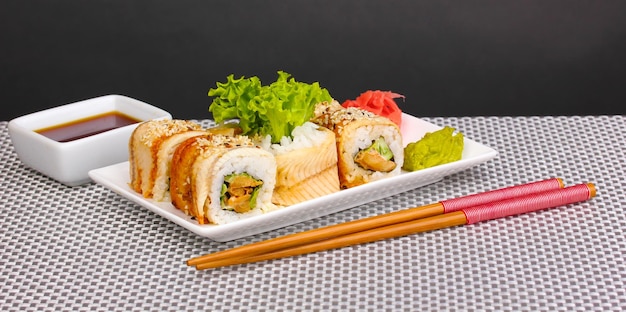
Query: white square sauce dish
68, 141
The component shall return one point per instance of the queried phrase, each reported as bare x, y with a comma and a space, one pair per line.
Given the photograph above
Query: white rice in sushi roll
362, 137
207, 183
221, 179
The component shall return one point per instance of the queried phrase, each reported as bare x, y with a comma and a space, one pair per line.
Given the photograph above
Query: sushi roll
221, 179
306, 164
151, 147
369, 147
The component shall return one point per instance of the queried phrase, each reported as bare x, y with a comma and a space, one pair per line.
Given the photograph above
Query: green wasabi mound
435, 148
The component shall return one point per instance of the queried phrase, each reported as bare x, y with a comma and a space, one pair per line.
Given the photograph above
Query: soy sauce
89, 126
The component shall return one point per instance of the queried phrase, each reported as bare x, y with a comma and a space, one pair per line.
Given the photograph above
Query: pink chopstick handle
529, 203
474, 200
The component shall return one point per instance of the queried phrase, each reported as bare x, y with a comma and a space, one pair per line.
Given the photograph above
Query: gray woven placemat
86, 248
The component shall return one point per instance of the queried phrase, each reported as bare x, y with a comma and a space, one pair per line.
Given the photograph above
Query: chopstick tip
193, 261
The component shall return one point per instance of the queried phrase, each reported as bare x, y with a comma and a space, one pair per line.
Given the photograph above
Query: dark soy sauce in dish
88, 126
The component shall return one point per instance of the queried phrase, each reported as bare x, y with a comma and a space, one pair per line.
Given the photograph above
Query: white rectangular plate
116, 177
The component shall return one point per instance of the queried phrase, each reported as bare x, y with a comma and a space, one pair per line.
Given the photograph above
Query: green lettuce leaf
435, 148
231, 100
274, 109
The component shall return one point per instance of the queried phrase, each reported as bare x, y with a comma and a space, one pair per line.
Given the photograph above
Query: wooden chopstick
504, 208
342, 229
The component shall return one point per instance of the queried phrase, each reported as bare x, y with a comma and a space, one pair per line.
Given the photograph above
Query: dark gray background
449, 58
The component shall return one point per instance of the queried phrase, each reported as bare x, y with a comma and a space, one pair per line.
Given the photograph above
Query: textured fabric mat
86, 248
